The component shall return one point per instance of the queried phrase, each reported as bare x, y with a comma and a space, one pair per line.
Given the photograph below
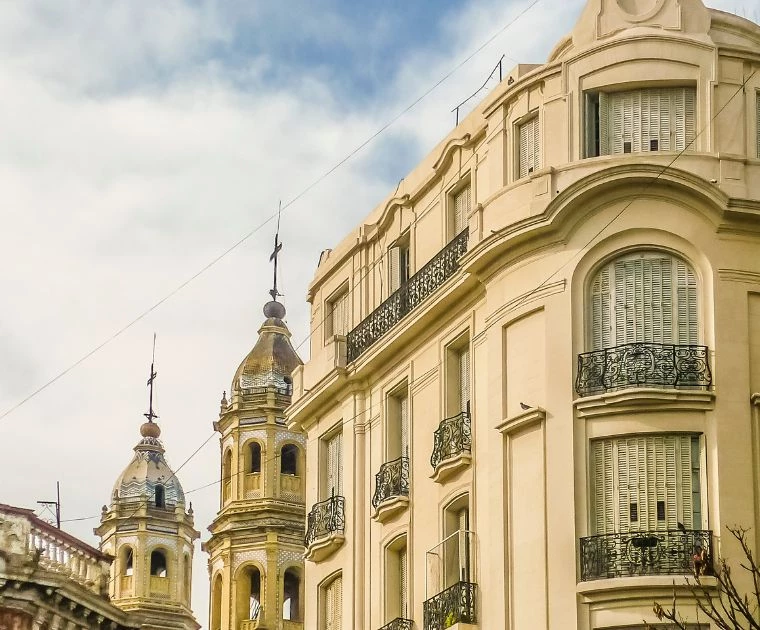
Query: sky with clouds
141, 140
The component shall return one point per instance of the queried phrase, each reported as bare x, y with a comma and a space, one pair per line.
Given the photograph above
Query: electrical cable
651, 181
285, 206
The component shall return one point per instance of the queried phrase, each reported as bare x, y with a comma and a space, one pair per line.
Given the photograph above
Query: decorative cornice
527, 418
448, 149
739, 275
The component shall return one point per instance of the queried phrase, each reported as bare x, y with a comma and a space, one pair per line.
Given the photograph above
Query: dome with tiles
148, 476
272, 359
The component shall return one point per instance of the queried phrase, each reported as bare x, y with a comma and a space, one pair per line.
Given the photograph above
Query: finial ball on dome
274, 309
150, 429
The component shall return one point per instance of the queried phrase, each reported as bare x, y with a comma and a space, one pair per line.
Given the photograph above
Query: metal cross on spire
153, 374
277, 247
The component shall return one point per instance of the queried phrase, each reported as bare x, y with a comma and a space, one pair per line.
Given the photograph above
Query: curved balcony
403, 301
670, 552
452, 446
391, 488
325, 528
457, 604
399, 623
643, 365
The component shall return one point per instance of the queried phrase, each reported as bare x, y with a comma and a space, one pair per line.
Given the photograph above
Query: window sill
324, 547
450, 467
390, 507
637, 400
463, 626
645, 586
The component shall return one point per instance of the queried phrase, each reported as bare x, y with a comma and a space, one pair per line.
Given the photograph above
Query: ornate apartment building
532, 395
256, 545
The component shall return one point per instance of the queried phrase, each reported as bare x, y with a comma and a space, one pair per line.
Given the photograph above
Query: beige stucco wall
521, 299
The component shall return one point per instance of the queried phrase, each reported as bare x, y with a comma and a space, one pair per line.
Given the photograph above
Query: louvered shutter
404, 422
394, 269
601, 327
335, 465
686, 296
340, 315
604, 486
690, 117
684, 486
330, 606
464, 379
696, 484
604, 124
666, 119
757, 122
461, 209
529, 147
403, 584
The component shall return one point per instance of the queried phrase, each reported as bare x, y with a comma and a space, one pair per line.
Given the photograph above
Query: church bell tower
256, 546
150, 533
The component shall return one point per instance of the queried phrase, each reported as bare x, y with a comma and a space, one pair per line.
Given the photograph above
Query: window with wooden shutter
334, 476
403, 597
634, 121
460, 208
397, 427
337, 320
645, 483
529, 150
464, 379
645, 297
333, 596
398, 264
757, 121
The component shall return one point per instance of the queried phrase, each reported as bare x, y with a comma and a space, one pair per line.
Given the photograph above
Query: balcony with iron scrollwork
631, 554
644, 365
399, 623
452, 446
325, 528
391, 489
414, 292
455, 605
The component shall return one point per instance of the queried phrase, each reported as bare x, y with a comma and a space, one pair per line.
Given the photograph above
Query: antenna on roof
476, 92
277, 248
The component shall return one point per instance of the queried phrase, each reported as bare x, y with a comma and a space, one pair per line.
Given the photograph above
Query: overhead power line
258, 227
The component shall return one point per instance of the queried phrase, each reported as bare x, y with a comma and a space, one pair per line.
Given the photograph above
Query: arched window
255, 457
332, 599
158, 566
291, 587
127, 560
160, 496
289, 459
216, 604
457, 545
248, 597
187, 579
254, 593
643, 297
227, 476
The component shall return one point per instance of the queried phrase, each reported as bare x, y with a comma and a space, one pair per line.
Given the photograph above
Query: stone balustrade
22, 534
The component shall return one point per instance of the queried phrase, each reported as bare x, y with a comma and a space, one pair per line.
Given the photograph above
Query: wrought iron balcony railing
643, 365
399, 623
457, 604
671, 552
326, 517
402, 302
392, 481
452, 437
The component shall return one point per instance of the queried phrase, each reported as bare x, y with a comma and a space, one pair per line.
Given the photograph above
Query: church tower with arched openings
256, 547
150, 533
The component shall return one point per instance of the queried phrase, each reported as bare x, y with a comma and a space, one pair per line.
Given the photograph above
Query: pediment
604, 18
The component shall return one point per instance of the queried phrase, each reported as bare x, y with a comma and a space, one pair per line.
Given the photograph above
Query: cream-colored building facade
256, 545
532, 396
